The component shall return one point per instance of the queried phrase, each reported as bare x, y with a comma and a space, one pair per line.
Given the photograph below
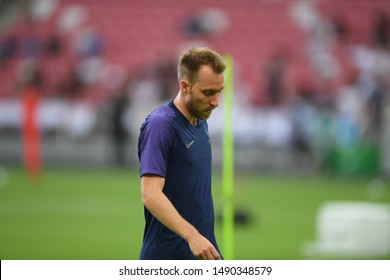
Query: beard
196, 110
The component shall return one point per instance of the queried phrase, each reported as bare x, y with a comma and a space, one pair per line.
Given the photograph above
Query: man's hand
159, 205
202, 248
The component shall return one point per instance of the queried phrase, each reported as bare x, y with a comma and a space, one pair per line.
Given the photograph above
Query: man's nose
215, 100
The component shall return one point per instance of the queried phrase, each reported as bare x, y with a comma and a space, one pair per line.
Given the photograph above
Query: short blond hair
192, 59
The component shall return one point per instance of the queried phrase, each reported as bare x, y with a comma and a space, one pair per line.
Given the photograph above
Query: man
174, 150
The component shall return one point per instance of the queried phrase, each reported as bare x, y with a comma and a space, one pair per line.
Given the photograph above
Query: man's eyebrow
213, 90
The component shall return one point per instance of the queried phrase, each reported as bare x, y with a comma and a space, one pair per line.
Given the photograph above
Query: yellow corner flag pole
228, 163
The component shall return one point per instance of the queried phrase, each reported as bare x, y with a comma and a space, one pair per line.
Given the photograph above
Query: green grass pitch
97, 213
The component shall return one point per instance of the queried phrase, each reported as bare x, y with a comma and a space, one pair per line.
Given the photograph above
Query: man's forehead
206, 70
209, 77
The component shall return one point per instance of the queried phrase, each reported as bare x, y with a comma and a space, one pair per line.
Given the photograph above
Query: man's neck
182, 107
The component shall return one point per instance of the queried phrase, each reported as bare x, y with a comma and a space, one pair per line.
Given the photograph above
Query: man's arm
160, 206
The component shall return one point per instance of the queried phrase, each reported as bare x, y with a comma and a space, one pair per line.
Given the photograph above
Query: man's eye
209, 93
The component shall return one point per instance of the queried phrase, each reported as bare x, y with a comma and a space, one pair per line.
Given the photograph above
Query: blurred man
174, 150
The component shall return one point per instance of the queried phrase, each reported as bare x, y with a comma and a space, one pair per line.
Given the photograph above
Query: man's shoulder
163, 112
161, 117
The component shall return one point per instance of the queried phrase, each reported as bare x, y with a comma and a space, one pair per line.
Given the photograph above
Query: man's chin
205, 116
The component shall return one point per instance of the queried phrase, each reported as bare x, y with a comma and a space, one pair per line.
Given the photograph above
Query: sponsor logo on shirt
189, 144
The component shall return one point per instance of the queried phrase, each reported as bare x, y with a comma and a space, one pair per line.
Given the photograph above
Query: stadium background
311, 117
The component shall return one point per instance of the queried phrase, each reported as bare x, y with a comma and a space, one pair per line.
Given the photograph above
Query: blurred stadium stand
311, 77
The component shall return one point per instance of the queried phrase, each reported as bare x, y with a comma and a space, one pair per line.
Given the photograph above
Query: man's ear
184, 86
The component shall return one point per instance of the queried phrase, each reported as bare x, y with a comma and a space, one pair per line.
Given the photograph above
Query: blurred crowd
340, 100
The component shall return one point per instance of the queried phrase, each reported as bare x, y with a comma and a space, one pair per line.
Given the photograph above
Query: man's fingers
216, 256
209, 255
203, 249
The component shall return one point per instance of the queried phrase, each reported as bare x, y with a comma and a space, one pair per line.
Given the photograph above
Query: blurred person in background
29, 86
120, 131
174, 150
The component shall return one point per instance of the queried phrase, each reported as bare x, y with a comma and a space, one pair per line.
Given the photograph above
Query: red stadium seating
134, 32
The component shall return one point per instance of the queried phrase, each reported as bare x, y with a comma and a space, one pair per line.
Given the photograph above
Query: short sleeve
155, 142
